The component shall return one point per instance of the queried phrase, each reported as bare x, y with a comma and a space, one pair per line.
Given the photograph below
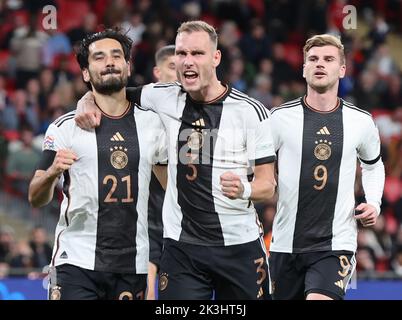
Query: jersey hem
87, 267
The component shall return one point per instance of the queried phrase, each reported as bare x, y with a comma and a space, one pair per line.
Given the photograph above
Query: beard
110, 85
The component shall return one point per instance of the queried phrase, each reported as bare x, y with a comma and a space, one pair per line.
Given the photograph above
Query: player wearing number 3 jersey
318, 139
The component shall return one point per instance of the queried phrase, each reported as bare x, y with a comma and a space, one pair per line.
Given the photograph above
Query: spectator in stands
41, 249
3, 154
256, 45
3, 92
283, 72
6, 242
21, 162
365, 260
378, 32
26, 45
392, 97
396, 263
47, 83
262, 90
367, 91
21, 258
19, 112
87, 27
32, 92
134, 27
56, 44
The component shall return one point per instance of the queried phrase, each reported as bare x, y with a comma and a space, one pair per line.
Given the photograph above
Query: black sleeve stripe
64, 116
258, 107
251, 100
141, 108
264, 109
285, 107
46, 160
371, 161
166, 84
351, 106
260, 116
64, 120
265, 160
297, 100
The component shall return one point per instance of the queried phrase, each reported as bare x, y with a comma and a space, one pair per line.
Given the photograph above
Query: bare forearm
262, 190
41, 188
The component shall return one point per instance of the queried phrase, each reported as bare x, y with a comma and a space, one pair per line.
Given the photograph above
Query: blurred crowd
261, 43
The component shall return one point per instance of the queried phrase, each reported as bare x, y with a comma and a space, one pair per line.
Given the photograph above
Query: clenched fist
88, 115
232, 187
63, 160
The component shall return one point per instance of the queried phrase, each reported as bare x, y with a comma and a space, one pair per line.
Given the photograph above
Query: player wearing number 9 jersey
318, 139
101, 242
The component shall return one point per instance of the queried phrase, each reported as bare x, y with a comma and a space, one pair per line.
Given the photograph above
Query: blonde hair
321, 40
198, 25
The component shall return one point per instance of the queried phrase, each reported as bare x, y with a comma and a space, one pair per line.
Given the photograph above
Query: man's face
323, 68
107, 70
165, 71
196, 60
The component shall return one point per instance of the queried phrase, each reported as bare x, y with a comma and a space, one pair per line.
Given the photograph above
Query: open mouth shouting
190, 76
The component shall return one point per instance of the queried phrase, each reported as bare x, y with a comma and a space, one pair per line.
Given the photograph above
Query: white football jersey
317, 153
103, 217
230, 133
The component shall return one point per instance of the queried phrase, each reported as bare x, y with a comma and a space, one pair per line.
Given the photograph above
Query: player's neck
214, 90
325, 101
114, 104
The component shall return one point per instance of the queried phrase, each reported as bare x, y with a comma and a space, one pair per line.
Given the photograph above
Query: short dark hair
83, 49
163, 53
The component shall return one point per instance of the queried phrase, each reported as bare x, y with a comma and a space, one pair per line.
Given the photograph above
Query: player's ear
128, 68
304, 73
217, 58
85, 75
342, 72
157, 73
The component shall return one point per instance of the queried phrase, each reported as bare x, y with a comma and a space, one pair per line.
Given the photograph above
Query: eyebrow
325, 57
192, 51
98, 53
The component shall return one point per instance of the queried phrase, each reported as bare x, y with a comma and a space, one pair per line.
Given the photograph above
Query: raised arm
42, 185
261, 188
88, 115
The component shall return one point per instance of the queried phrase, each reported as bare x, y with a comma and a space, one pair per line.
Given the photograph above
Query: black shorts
69, 282
294, 276
197, 272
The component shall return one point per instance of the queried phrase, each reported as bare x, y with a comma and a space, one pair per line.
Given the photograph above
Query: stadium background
261, 42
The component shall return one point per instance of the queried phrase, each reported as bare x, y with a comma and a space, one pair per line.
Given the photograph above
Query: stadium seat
71, 13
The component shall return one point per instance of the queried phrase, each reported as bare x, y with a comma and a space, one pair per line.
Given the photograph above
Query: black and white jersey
103, 218
230, 133
317, 154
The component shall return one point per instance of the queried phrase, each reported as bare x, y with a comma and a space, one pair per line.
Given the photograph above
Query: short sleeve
144, 97
55, 139
260, 146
